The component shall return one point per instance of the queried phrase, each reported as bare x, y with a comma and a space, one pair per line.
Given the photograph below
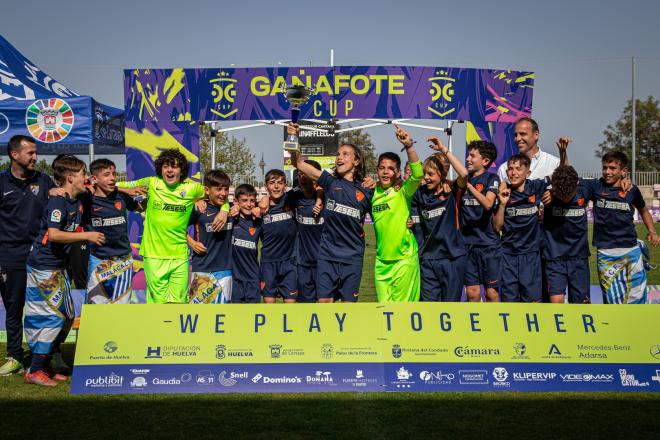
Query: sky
580, 50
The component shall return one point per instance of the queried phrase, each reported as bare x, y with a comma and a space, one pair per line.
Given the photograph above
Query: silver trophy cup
297, 96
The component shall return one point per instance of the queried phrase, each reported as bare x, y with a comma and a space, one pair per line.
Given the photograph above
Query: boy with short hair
105, 210
442, 255
397, 265
484, 258
621, 269
48, 305
246, 233
310, 226
279, 231
211, 261
171, 196
518, 218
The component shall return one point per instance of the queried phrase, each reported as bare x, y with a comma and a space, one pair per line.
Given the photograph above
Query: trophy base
291, 146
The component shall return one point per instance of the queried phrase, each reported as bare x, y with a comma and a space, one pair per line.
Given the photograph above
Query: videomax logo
49, 120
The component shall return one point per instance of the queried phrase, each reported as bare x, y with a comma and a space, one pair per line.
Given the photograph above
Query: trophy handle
295, 114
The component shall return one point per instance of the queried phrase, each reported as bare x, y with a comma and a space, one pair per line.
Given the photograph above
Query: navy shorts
245, 292
307, 283
338, 280
521, 278
442, 279
483, 266
572, 273
279, 278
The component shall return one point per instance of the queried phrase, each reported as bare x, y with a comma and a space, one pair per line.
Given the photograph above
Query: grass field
30, 411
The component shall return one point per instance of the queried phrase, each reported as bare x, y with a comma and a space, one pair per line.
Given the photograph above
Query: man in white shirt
527, 137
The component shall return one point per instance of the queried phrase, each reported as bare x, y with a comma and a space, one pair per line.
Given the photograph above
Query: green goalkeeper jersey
390, 211
167, 214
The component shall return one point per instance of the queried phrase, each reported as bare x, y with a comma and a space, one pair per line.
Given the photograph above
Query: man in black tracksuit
23, 196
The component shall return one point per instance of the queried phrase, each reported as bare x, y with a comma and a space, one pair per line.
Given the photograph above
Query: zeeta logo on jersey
114, 221
169, 207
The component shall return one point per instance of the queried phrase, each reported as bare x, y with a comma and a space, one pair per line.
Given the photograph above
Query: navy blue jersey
439, 216
60, 213
309, 230
108, 215
522, 219
279, 230
218, 244
346, 204
22, 202
245, 240
417, 225
476, 223
614, 211
565, 230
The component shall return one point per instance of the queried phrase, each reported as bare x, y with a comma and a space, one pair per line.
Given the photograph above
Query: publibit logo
49, 120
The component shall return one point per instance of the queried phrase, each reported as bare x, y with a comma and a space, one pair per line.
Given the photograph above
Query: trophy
297, 96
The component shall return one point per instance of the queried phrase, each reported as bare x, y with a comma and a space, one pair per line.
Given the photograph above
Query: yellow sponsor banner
368, 332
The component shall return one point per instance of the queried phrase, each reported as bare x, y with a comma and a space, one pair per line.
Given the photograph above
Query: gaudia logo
49, 120
110, 347
396, 351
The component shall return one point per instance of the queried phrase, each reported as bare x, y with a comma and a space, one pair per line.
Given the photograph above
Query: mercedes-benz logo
655, 351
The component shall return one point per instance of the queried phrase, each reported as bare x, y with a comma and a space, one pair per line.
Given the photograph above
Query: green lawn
30, 411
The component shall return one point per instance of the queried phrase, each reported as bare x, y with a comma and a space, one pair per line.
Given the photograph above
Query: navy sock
39, 362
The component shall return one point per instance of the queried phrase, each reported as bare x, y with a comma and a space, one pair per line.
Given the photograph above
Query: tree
618, 137
362, 140
231, 155
42, 166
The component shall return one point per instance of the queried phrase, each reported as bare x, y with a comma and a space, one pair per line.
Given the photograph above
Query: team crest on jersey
532, 198
34, 188
580, 201
479, 187
622, 194
183, 193
359, 195
118, 205
442, 197
252, 230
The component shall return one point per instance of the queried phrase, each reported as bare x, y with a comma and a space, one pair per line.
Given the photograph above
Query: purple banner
388, 92
365, 377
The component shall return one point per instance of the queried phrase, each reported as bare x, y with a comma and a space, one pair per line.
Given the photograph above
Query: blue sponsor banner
536, 377
365, 377
228, 378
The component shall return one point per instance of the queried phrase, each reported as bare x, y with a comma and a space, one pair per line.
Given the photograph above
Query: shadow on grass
29, 411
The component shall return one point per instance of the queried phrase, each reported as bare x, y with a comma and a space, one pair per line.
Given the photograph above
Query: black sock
39, 362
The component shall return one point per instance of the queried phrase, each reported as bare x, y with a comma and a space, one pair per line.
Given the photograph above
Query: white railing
642, 178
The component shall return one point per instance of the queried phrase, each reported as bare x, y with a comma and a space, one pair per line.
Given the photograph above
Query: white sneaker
11, 366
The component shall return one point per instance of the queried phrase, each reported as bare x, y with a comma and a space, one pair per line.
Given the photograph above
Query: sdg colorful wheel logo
49, 120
